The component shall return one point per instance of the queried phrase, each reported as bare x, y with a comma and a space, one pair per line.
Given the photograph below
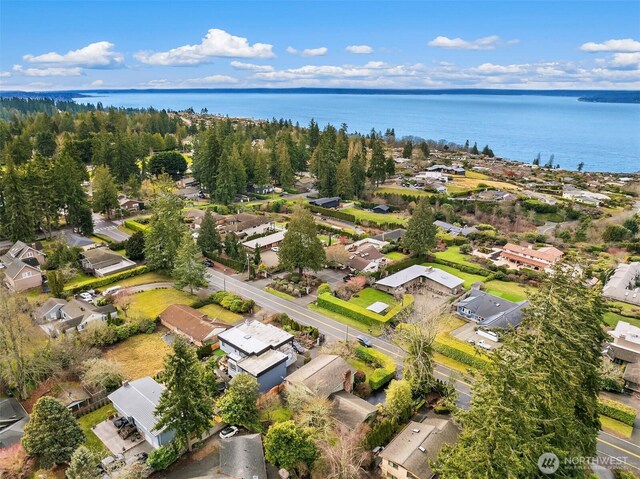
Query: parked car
85, 296
228, 432
364, 341
111, 290
275, 249
484, 345
299, 348
471, 341
378, 449
207, 262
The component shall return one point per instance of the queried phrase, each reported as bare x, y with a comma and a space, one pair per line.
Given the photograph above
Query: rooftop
242, 457
378, 307
324, 375
139, 399
548, 254
254, 337
413, 272
191, 322
495, 312
263, 241
256, 365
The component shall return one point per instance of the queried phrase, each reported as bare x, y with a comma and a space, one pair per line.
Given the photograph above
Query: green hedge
135, 226
385, 366
333, 213
459, 355
104, 238
465, 268
93, 283
405, 263
231, 263
363, 315
617, 410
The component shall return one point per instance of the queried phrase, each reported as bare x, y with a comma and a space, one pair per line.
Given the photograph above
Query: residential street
108, 228
608, 446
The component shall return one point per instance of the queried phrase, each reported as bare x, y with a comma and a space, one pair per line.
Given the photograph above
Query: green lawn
88, 421
368, 296
146, 278
78, 279
612, 319
453, 254
140, 355
395, 256
149, 304
508, 290
372, 217
360, 365
402, 191
468, 278
617, 428
276, 412
279, 294
218, 313
476, 175
352, 323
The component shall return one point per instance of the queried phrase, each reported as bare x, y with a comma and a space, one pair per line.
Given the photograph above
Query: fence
97, 403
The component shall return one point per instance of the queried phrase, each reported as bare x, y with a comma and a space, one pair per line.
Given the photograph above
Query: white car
275, 248
86, 296
484, 345
228, 432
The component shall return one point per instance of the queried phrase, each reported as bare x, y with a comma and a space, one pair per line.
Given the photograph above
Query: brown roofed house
192, 324
529, 257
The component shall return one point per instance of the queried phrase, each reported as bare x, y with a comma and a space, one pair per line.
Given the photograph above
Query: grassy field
506, 289
395, 256
78, 279
360, 365
453, 254
617, 428
146, 278
353, 325
612, 319
476, 175
218, 313
88, 421
140, 355
403, 191
471, 183
468, 278
368, 296
376, 218
149, 304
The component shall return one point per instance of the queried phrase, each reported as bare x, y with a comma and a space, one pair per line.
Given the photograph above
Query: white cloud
216, 43
210, 80
484, 43
251, 66
97, 83
491, 69
5, 74
359, 49
623, 45
94, 55
48, 72
626, 60
308, 52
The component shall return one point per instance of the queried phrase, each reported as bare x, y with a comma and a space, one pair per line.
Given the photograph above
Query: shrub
363, 315
441, 410
135, 225
362, 390
459, 355
385, 366
618, 411
359, 377
161, 458
380, 434
100, 282
232, 302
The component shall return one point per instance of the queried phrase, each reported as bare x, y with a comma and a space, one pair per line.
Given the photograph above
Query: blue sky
517, 44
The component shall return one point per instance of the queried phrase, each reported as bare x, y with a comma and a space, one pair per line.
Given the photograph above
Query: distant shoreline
595, 96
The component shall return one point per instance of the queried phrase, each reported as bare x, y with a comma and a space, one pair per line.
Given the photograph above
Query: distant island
597, 96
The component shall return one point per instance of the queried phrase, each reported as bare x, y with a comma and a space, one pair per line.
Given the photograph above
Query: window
393, 464
29, 254
27, 274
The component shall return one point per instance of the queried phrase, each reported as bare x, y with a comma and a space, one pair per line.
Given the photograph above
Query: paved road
608, 445
108, 228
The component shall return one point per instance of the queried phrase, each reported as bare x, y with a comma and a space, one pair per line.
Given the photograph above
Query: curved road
608, 446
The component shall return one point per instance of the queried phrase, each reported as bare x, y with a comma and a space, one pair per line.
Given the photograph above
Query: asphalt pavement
609, 447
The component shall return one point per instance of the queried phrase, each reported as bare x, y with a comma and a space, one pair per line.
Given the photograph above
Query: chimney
347, 381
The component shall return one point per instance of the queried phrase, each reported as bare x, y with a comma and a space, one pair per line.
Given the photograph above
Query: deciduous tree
238, 404
287, 445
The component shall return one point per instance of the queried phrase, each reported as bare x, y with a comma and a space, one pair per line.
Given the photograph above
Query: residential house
187, 182
454, 230
190, 193
393, 235
631, 377
242, 457
74, 240
76, 314
374, 242
528, 257
381, 209
625, 347
330, 376
103, 262
452, 170
195, 216
137, 401
22, 266
13, 419
261, 189
418, 276
72, 395
129, 204
410, 453
261, 350
264, 242
489, 311
583, 196
366, 259
49, 310
624, 284
429, 177
332, 202
495, 195
245, 224
190, 323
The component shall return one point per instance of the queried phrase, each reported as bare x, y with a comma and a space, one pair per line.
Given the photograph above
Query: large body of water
605, 136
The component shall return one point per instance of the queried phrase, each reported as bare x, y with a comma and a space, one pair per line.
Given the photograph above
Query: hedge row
400, 265
363, 315
618, 411
465, 268
231, 263
407, 197
385, 366
104, 238
458, 355
104, 281
135, 226
333, 213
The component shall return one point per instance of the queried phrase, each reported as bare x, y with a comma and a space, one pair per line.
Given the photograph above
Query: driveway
332, 276
108, 228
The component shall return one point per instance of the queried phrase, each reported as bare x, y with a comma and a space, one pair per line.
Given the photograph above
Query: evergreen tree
358, 175
314, 134
261, 175
55, 280
206, 157
324, 162
301, 248
18, 216
232, 246
420, 237
580, 166
284, 168
67, 179
105, 193
238, 404
134, 246
184, 407
344, 180
208, 237
225, 190
82, 465
407, 150
165, 231
539, 393
52, 433
378, 164
45, 143
399, 401
257, 258
474, 150
45, 200
239, 171
188, 269
424, 148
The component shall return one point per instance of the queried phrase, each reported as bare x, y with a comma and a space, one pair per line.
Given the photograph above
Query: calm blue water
605, 136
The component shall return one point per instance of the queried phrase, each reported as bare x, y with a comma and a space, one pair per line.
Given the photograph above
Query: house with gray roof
59, 316
624, 284
489, 311
410, 453
393, 235
332, 202
261, 350
22, 266
242, 457
103, 262
13, 419
137, 401
74, 240
49, 310
454, 230
418, 276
